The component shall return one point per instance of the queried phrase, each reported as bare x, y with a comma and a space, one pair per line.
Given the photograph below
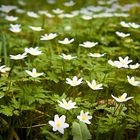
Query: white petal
34, 70
124, 95
93, 82
65, 125
56, 118
75, 78
88, 122
117, 99
64, 101
128, 98
62, 118
61, 130
52, 123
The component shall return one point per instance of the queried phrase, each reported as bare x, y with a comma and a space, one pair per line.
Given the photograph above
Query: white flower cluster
123, 63
59, 123
75, 82
130, 24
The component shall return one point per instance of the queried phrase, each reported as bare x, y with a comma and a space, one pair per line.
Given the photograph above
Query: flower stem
117, 108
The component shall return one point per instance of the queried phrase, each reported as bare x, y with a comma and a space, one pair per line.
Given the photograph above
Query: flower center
74, 83
132, 81
124, 63
33, 52
94, 85
34, 73
84, 117
68, 57
96, 54
121, 98
66, 105
58, 124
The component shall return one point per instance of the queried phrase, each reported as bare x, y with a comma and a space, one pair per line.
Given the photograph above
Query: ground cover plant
69, 70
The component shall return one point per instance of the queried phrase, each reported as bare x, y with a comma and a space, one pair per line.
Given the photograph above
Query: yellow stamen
121, 98
66, 105
58, 124
84, 117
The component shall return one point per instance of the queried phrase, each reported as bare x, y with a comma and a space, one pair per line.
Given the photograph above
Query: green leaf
15, 103
6, 110
52, 76
1, 95
80, 131
51, 136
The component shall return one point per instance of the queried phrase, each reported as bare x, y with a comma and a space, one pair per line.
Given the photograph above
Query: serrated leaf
40, 95
6, 110
52, 76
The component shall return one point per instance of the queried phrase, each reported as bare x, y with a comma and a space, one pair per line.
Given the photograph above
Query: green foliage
52, 136
80, 131
1, 94
27, 103
6, 110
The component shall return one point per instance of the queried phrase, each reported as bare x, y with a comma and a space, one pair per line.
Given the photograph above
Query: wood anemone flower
122, 98
59, 123
33, 73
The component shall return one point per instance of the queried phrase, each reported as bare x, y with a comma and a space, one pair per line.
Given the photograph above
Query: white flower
20, 11
51, 1
93, 85
67, 57
22, 3
137, 65
130, 24
35, 28
96, 54
132, 81
84, 117
75, 12
66, 41
46, 13
103, 15
11, 18
33, 73
67, 28
48, 36
69, 4
42, 12
124, 24
67, 105
121, 34
15, 28
86, 17
74, 81
4, 69
134, 25
67, 15
122, 63
120, 15
7, 8
32, 14
88, 44
115, 63
33, 51
18, 57
59, 123
49, 15
122, 98
57, 11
